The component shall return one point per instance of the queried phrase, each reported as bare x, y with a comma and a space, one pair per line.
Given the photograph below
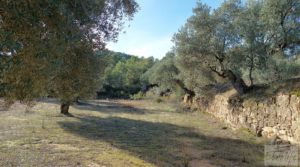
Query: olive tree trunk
189, 94
237, 82
64, 108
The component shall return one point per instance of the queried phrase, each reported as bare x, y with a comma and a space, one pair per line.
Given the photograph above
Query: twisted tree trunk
251, 71
182, 86
189, 93
237, 82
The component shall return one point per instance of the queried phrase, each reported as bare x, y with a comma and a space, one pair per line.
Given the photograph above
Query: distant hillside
115, 57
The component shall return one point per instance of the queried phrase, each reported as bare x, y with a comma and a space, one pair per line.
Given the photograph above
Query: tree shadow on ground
108, 107
100, 106
165, 144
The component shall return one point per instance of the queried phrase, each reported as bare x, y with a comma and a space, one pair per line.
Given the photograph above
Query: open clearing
122, 133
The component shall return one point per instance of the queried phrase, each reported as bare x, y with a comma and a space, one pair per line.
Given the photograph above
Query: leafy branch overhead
50, 46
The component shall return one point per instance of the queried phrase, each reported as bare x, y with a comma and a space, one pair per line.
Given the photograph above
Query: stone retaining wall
278, 116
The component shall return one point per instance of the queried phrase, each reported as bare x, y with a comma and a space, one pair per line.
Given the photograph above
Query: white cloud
156, 48
153, 47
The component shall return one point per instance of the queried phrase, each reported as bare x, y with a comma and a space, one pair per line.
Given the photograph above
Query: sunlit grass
121, 133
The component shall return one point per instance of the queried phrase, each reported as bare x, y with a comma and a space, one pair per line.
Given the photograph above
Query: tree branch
214, 69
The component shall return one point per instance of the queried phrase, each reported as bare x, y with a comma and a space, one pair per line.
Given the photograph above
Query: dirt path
122, 133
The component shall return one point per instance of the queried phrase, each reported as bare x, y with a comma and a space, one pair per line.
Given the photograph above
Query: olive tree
238, 37
166, 74
51, 46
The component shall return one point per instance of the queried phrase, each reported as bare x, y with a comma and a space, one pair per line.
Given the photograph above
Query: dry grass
121, 133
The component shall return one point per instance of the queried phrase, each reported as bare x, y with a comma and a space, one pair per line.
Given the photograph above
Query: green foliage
281, 20
123, 77
81, 76
138, 96
240, 42
50, 46
113, 57
158, 100
164, 73
296, 93
204, 45
280, 68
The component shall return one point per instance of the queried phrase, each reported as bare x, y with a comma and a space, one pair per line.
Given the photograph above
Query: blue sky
151, 30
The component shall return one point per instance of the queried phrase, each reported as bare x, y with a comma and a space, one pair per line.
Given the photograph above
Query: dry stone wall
278, 116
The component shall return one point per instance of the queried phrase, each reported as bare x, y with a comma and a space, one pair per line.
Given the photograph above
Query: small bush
159, 100
296, 93
137, 96
154, 93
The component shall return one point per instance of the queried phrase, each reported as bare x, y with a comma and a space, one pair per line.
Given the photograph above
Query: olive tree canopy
49, 46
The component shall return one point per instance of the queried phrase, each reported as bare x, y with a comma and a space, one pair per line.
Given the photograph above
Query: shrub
137, 96
159, 100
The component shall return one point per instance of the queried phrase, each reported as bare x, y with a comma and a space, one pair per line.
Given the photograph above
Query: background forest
247, 44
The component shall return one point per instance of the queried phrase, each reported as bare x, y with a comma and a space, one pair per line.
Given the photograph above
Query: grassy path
122, 133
